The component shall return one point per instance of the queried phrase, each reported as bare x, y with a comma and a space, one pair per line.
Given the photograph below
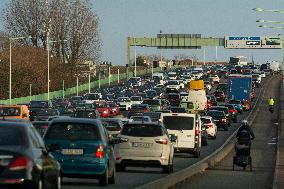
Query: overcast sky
210, 18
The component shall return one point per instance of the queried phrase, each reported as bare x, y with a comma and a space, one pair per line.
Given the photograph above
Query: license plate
141, 144
72, 151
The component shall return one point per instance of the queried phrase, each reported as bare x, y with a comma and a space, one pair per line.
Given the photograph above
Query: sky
120, 19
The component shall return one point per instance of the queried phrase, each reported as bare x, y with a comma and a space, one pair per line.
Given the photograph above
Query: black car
226, 111
233, 112
35, 106
219, 118
25, 162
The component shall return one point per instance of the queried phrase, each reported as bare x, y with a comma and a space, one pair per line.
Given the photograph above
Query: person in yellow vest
271, 104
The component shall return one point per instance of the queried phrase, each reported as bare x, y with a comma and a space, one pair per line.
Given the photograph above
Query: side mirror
53, 148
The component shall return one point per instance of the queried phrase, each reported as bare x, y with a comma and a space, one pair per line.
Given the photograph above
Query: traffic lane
262, 152
134, 177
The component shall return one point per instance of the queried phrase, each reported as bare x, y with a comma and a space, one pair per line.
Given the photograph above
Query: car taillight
162, 141
223, 120
146, 110
233, 111
20, 163
105, 112
209, 126
100, 151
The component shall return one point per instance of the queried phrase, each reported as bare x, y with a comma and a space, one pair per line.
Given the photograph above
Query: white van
199, 98
187, 130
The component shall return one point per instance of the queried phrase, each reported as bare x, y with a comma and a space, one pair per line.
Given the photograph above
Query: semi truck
240, 87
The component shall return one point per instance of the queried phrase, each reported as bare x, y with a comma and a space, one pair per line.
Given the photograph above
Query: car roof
75, 120
15, 122
206, 117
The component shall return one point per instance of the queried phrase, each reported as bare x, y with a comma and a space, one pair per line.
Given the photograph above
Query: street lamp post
48, 62
10, 66
204, 51
135, 57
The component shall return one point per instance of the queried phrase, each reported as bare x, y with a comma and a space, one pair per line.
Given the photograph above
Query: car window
205, 120
12, 136
111, 125
178, 122
39, 138
136, 130
72, 131
33, 138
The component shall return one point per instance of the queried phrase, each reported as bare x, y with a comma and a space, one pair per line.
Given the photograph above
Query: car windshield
111, 125
178, 122
38, 104
92, 96
12, 136
9, 111
72, 132
152, 102
142, 130
178, 110
140, 118
81, 105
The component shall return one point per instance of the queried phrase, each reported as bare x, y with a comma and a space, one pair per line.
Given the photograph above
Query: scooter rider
245, 134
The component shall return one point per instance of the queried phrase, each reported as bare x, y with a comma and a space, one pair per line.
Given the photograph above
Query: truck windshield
178, 122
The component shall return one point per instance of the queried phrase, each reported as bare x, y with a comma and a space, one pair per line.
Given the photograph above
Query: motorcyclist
245, 133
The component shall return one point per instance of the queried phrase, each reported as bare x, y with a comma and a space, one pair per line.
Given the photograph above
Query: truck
239, 87
275, 66
197, 95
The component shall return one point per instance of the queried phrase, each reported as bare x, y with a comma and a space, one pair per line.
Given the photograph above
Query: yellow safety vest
270, 102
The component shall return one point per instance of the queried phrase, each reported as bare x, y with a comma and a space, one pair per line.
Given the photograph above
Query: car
103, 109
90, 98
155, 116
146, 145
14, 111
136, 99
233, 112
36, 106
82, 143
225, 110
44, 114
113, 125
262, 74
25, 160
124, 103
219, 118
238, 105
204, 135
175, 109
186, 128
83, 110
173, 84
220, 96
173, 98
210, 125
154, 104
215, 78
114, 108
138, 109
207, 85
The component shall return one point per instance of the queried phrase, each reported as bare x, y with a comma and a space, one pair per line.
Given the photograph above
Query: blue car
237, 104
84, 148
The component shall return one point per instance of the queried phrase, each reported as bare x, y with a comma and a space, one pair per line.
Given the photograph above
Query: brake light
197, 132
209, 126
20, 163
223, 120
100, 151
146, 110
162, 141
233, 111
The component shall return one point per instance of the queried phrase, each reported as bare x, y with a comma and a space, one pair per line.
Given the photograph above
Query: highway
134, 177
263, 154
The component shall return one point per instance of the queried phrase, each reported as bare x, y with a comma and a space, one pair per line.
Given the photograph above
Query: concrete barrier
207, 162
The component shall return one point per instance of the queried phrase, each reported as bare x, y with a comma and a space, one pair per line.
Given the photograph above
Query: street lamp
273, 27
135, 57
10, 69
267, 10
270, 21
48, 61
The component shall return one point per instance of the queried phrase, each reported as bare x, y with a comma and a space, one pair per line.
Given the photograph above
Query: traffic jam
144, 122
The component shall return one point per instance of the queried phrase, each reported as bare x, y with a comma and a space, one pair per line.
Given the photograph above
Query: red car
114, 108
103, 109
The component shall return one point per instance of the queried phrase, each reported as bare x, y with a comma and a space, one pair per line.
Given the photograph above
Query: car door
110, 151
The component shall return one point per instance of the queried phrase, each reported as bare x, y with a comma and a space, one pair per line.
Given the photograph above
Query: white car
207, 85
262, 74
173, 84
124, 103
136, 99
144, 119
211, 127
215, 78
148, 143
90, 98
181, 84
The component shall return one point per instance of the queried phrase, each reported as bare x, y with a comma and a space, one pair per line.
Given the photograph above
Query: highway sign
252, 42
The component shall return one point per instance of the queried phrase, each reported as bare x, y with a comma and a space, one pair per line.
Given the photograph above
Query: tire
111, 180
196, 154
168, 168
58, 182
35, 185
120, 167
103, 179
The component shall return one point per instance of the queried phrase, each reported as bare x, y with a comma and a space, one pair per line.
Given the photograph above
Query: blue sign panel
244, 38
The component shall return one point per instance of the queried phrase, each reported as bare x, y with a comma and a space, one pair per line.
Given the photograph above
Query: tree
71, 20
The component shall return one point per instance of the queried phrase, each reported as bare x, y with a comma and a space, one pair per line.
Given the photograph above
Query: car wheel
196, 154
120, 167
168, 168
58, 182
103, 179
111, 180
36, 185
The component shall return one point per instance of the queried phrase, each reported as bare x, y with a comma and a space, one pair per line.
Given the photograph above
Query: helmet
245, 122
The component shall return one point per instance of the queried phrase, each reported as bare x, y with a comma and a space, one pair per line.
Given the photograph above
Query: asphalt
263, 154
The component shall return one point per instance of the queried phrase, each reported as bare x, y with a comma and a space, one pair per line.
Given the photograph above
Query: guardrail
73, 90
207, 162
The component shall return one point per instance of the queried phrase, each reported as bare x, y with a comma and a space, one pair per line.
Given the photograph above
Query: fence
73, 90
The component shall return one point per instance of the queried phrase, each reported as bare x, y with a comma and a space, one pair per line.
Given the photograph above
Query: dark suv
219, 118
225, 110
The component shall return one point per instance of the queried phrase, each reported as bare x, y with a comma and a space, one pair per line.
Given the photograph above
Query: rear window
173, 96
72, 132
178, 110
138, 98
111, 125
136, 130
221, 109
151, 102
215, 114
178, 122
153, 116
205, 120
38, 104
9, 111
12, 136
